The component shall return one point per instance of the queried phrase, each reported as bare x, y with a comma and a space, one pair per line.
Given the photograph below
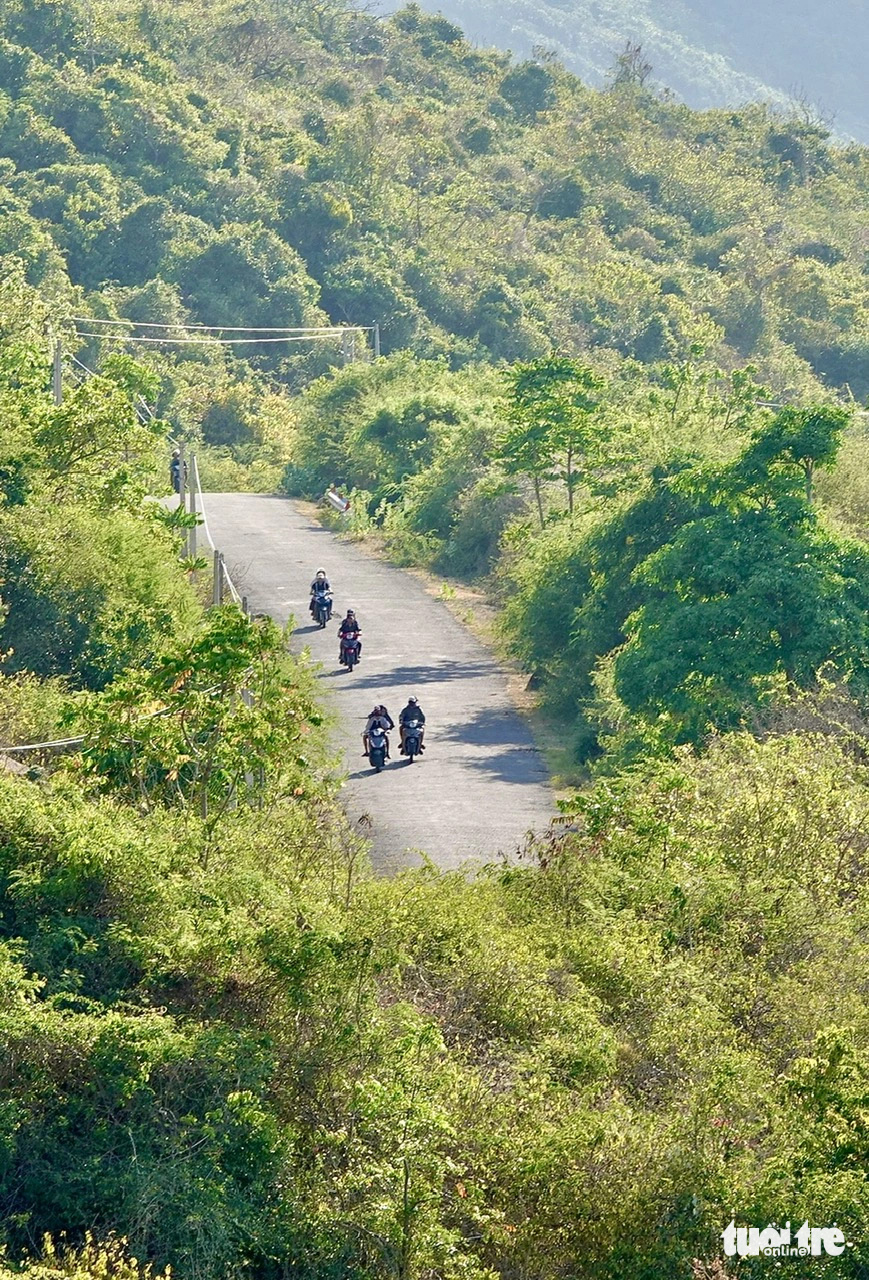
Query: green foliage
86, 578
749, 592
205, 727
549, 422
94, 443
660, 1022
416, 438
529, 89
86, 592
93, 1261
690, 605
275, 175
222, 1041
31, 710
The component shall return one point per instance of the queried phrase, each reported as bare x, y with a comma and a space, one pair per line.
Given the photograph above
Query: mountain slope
264, 167
710, 55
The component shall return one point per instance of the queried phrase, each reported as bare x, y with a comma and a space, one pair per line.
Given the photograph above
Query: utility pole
377, 342
345, 346
57, 372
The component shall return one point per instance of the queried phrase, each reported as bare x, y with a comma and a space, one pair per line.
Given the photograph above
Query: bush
87, 593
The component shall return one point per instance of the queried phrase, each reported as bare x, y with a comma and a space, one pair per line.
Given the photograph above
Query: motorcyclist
379, 718
349, 629
319, 587
413, 711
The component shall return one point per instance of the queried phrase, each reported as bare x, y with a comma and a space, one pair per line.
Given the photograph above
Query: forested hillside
257, 167
624, 350
710, 55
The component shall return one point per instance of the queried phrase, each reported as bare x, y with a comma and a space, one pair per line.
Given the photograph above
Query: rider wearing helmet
413, 711
349, 629
319, 587
379, 718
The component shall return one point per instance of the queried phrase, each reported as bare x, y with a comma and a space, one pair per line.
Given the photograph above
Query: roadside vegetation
226, 1049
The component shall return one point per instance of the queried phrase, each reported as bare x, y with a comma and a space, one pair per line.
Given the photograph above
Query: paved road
481, 785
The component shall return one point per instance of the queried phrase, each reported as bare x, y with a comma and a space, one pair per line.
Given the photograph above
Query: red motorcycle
348, 654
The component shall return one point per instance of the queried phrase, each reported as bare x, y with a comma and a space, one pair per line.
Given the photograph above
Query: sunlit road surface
481, 785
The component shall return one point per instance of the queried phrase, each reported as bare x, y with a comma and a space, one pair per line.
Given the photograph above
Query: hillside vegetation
228, 1050
623, 346
252, 166
709, 55
226, 166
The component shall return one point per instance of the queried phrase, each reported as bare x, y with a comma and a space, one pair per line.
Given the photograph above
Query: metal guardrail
222, 576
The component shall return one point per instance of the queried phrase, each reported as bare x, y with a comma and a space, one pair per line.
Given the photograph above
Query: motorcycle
322, 608
412, 739
349, 653
377, 745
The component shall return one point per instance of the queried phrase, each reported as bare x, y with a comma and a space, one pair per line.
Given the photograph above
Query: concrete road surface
481, 784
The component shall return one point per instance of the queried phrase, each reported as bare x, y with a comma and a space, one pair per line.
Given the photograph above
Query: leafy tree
529, 88
548, 419
95, 442
85, 592
24, 372
206, 726
753, 590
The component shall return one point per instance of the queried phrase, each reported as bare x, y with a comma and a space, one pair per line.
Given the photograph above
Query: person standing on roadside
176, 469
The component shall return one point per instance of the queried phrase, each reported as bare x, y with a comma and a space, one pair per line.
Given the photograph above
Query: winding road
481, 785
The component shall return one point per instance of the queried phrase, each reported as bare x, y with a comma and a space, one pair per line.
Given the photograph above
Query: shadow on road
433, 673
498, 726
503, 748
368, 772
520, 766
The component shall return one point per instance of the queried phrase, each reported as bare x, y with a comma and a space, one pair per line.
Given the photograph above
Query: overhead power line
231, 328
211, 342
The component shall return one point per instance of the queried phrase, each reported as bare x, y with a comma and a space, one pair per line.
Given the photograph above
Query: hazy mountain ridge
709, 55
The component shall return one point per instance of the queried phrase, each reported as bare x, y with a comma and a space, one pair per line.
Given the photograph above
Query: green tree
751, 591
549, 419
94, 442
529, 88
216, 721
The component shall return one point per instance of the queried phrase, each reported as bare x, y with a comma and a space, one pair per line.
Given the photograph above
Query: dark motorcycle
322, 608
377, 747
350, 649
412, 739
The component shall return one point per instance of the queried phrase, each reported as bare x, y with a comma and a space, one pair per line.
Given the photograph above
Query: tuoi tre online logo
777, 1242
